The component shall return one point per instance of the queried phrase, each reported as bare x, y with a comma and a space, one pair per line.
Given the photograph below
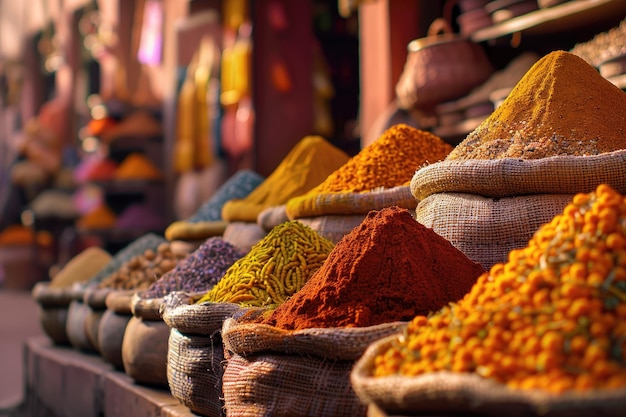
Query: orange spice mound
552, 318
562, 106
137, 166
17, 234
100, 218
390, 161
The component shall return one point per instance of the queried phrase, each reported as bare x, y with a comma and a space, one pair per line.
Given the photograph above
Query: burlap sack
243, 235
486, 208
271, 217
195, 370
146, 308
270, 371
349, 203
450, 393
508, 177
487, 229
195, 351
333, 226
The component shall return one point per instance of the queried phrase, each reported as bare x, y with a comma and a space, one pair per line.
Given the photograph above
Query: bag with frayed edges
271, 371
349, 203
449, 393
195, 357
487, 208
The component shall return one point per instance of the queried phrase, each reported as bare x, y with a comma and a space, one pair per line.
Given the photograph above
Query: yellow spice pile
562, 106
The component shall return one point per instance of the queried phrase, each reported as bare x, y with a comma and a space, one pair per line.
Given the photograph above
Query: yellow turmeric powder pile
389, 161
553, 317
307, 164
562, 106
274, 269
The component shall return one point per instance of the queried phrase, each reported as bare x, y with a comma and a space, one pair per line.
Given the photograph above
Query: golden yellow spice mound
562, 106
274, 269
305, 166
390, 161
553, 317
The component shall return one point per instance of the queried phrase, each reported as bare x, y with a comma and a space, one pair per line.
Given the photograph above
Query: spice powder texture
562, 106
389, 268
390, 161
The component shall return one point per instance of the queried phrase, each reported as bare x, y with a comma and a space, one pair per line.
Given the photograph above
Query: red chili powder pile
389, 268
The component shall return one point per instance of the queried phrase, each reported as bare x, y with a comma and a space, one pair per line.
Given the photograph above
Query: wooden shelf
557, 19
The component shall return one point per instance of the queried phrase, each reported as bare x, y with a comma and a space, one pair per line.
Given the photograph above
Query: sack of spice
559, 132
540, 334
144, 347
377, 177
115, 293
309, 163
271, 217
271, 371
274, 269
243, 235
195, 351
376, 278
207, 220
78, 311
54, 297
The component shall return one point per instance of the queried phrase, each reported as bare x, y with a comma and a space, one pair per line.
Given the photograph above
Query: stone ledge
70, 383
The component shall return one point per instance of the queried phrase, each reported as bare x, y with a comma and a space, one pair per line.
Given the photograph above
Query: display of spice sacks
275, 268
390, 268
552, 318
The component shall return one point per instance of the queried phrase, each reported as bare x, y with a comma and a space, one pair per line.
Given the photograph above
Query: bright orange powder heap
390, 161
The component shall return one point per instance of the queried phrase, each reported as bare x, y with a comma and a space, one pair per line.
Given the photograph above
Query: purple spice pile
199, 271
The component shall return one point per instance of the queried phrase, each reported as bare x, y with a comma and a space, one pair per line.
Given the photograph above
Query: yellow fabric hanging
193, 148
185, 122
203, 150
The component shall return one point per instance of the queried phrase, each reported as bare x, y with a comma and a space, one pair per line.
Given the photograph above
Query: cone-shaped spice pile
562, 106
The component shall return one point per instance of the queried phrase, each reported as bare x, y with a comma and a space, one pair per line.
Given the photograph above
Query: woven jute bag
440, 67
195, 356
464, 393
270, 371
272, 217
333, 226
349, 203
486, 208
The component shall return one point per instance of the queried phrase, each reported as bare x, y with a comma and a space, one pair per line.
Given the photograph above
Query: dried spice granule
199, 272
389, 268
389, 161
